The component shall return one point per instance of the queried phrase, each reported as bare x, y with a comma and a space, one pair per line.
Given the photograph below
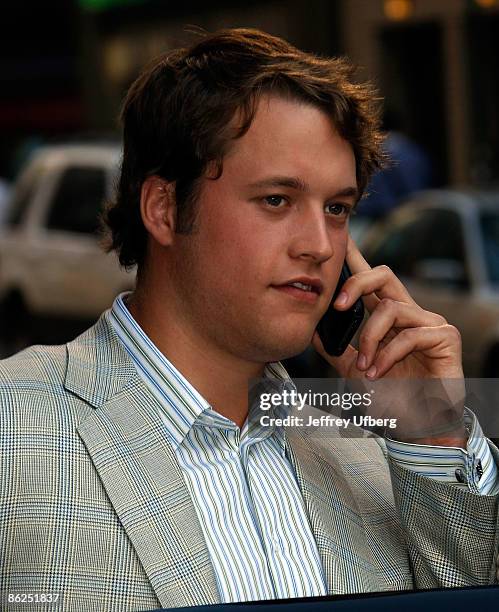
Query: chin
288, 347
266, 341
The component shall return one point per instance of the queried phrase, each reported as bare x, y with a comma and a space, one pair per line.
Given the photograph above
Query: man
131, 477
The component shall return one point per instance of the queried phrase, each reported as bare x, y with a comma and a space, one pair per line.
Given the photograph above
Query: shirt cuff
473, 469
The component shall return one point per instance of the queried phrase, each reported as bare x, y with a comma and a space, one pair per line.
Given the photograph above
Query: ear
158, 208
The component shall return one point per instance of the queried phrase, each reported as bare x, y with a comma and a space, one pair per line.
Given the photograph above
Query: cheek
242, 249
222, 268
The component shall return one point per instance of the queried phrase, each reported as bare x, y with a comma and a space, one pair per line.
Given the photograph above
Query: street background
65, 66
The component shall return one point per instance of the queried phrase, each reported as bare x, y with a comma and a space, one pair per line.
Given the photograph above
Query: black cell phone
337, 327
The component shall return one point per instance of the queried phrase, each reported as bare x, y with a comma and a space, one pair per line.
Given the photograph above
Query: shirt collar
183, 404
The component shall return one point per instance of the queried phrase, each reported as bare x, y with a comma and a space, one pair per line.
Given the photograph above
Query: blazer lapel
126, 439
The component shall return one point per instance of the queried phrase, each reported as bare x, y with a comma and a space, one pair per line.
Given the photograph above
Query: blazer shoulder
45, 365
32, 390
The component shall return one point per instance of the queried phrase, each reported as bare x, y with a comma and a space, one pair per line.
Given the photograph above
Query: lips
304, 289
304, 283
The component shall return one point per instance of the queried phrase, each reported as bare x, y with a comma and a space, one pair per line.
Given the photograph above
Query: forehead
286, 136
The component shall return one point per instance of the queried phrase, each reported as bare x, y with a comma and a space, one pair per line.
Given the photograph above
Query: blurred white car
444, 245
54, 276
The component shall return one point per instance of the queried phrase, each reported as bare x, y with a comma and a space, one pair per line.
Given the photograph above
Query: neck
221, 378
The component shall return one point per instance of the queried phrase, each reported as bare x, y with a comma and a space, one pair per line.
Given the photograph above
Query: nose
311, 238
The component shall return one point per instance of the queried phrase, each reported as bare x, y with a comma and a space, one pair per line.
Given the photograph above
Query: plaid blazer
93, 504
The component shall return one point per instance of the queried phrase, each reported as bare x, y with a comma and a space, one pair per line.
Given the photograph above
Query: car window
489, 222
442, 236
78, 200
428, 234
396, 246
23, 195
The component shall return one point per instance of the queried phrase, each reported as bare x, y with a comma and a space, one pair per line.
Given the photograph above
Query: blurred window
442, 236
429, 234
78, 200
23, 195
489, 223
396, 248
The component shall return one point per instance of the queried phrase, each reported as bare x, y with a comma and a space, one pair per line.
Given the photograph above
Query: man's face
278, 214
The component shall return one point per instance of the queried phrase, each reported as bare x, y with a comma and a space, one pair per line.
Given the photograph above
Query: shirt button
460, 475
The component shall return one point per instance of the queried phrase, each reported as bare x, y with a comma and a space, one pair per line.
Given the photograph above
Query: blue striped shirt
241, 483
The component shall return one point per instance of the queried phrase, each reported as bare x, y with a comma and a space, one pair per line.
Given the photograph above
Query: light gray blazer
93, 503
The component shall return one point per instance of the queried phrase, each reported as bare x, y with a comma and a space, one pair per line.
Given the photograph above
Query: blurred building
436, 63
65, 65
121, 36
40, 85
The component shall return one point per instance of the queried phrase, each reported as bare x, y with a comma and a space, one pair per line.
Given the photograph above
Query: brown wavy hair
178, 116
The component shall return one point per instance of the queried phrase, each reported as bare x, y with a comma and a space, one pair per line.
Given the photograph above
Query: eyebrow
293, 182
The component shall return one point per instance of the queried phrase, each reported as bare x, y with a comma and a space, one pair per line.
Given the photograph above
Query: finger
372, 285
356, 263
439, 344
355, 260
387, 315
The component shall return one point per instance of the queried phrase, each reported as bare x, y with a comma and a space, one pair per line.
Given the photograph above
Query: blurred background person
408, 170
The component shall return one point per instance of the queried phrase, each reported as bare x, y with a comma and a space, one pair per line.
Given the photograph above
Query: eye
339, 210
275, 201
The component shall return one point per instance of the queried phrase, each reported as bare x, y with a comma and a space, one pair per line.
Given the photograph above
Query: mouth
304, 289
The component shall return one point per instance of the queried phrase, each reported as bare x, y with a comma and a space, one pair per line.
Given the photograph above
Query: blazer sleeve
452, 533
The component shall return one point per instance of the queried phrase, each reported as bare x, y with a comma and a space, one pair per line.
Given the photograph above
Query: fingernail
361, 362
371, 373
341, 299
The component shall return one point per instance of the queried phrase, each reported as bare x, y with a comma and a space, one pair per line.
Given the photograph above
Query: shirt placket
228, 440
